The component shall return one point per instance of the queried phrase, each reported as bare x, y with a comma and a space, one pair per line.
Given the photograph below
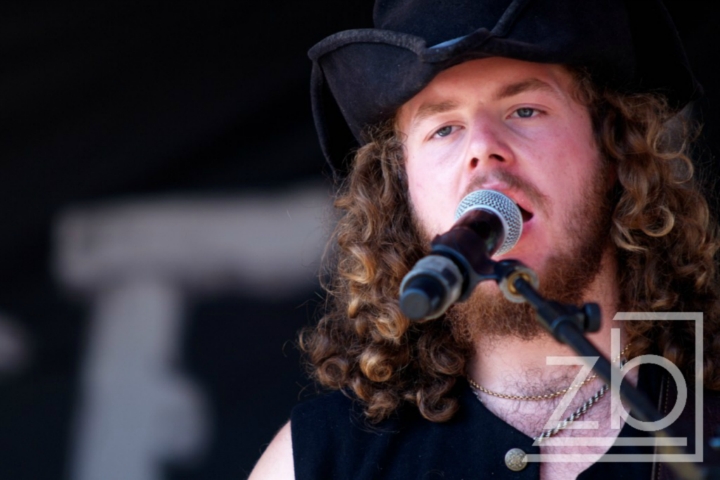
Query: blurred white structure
15, 347
136, 262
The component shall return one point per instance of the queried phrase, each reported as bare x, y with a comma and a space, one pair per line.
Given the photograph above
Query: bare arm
277, 461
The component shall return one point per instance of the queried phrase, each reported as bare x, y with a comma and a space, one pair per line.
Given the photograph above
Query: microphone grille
503, 207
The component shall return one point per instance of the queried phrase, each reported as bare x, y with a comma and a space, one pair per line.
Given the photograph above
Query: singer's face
505, 125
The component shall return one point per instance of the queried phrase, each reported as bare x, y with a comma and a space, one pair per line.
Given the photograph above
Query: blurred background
164, 206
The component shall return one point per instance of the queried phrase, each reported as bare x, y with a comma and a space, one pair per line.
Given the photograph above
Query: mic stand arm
568, 325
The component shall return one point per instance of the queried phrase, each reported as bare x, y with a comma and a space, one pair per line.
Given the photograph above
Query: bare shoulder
277, 461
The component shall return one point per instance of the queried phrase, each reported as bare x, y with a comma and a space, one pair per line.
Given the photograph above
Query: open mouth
526, 216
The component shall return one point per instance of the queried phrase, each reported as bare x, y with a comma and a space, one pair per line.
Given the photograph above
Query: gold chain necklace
582, 410
548, 396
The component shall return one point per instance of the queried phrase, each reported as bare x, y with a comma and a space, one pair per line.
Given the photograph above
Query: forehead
486, 80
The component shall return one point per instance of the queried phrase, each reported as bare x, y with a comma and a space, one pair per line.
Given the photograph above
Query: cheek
431, 196
421, 194
570, 161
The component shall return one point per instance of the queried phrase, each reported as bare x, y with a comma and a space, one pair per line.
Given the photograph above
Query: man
559, 105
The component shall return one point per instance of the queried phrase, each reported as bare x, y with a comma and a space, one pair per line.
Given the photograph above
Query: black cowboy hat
360, 77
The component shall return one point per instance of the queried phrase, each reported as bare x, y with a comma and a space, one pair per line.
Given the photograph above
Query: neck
515, 367
518, 367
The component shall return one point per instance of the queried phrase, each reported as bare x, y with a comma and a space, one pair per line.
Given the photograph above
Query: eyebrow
517, 88
532, 84
429, 109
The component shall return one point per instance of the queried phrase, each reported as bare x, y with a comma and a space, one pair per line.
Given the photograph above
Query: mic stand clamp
552, 315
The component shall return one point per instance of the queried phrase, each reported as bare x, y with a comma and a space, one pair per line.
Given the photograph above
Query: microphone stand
568, 324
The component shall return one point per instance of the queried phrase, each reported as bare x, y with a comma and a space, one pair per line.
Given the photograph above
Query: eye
526, 112
444, 131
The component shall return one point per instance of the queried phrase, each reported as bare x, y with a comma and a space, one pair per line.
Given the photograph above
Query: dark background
118, 99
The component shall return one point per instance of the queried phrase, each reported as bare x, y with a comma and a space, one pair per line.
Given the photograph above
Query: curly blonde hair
662, 231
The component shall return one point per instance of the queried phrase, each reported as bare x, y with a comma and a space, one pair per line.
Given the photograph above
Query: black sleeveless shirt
332, 440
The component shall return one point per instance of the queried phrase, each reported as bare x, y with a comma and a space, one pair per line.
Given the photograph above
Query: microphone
486, 223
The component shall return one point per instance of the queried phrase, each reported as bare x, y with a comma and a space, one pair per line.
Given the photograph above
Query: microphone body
488, 223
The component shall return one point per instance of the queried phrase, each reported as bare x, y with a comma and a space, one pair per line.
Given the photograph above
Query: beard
565, 277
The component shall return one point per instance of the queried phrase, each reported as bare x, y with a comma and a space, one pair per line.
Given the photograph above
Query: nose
488, 146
